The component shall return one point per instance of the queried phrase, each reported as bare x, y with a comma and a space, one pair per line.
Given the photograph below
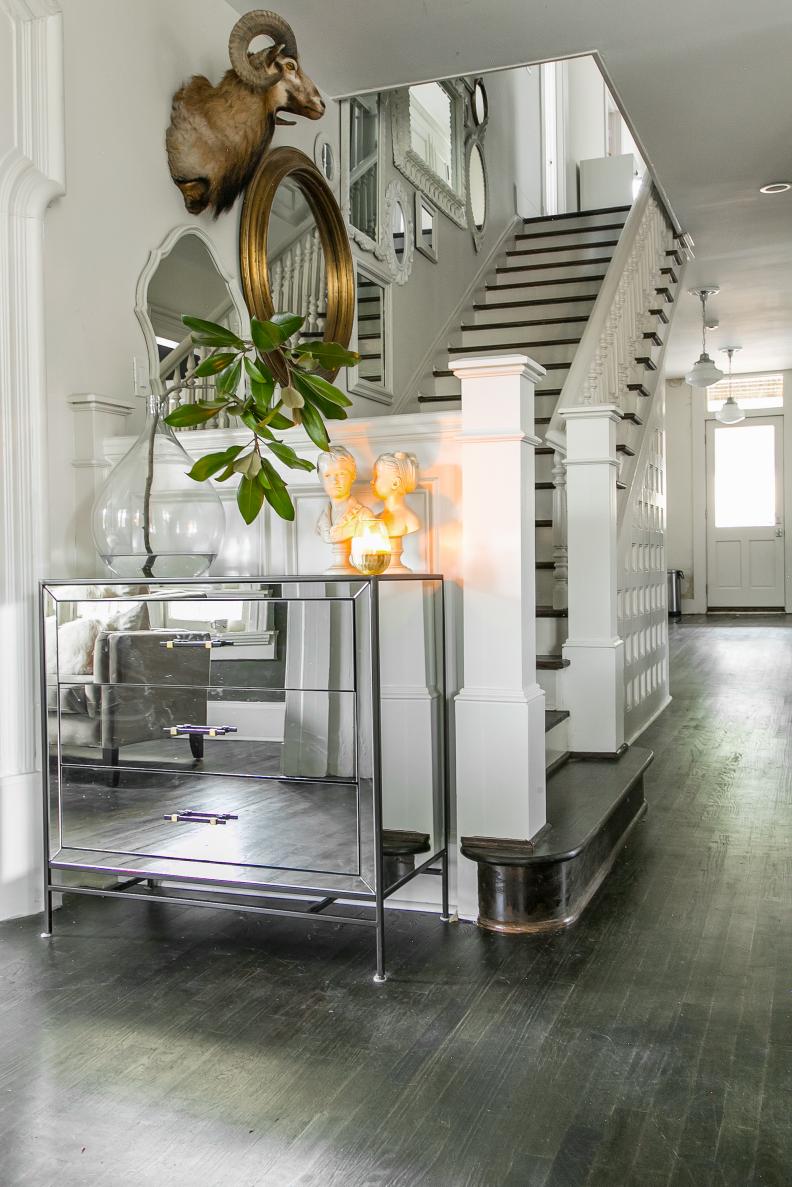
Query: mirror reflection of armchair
128, 699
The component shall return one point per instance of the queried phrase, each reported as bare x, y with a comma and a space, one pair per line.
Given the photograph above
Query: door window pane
745, 494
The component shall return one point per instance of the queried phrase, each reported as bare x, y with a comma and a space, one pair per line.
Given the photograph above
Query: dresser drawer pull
194, 817
169, 644
201, 731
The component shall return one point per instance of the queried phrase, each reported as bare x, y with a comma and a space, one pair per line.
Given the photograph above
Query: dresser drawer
294, 734
206, 818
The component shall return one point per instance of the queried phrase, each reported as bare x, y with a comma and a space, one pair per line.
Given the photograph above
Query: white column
95, 418
500, 749
594, 680
31, 175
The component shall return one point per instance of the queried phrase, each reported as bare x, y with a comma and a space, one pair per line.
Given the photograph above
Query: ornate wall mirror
293, 247
428, 123
425, 226
398, 220
182, 276
325, 158
478, 103
477, 192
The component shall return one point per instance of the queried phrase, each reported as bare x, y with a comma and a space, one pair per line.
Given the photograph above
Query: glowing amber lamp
371, 548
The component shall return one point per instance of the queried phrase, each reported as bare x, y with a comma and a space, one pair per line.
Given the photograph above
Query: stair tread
533, 301
444, 372
545, 564
516, 325
639, 388
532, 284
543, 523
621, 448
551, 218
544, 486
633, 418
516, 345
553, 264
550, 612
532, 251
551, 663
569, 231
554, 717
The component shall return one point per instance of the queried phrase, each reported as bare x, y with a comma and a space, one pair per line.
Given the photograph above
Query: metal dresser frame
308, 902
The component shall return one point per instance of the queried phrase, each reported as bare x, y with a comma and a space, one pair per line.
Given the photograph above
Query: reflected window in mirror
295, 260
477, 193
434, 130
479, 104
426, 225
364, 164
185, 281
399, 231
371, 326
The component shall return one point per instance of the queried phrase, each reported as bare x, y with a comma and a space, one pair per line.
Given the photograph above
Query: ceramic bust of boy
341, 517
395, 477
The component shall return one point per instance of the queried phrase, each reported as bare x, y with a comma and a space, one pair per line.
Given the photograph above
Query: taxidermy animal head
218, 134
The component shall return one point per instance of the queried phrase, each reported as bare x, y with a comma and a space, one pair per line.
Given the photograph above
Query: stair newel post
594, 680
500, 745
560, 552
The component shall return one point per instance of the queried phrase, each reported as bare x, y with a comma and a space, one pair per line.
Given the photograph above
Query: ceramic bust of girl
339, 521
395, 477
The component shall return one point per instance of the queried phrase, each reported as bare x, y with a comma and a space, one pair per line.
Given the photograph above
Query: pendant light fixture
731, 413
703, 373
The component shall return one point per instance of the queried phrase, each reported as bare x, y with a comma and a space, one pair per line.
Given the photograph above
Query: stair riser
544, 510
540, 354
449, 386
544, 544
545, 580
517, 274
571, 308
544, 467
494, 335
569, 224
557, 741
581, 288
589, 237
524, 252
552, 683
551, 635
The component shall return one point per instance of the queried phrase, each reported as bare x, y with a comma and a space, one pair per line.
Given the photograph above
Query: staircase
539, 301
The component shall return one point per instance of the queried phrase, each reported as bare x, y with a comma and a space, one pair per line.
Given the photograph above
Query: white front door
745, 534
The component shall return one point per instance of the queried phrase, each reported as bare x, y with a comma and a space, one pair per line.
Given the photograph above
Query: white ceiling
706, 84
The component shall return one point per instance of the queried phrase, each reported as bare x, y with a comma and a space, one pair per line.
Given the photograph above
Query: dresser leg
110, 759
197, 746
444, 913
380, 976
47, 932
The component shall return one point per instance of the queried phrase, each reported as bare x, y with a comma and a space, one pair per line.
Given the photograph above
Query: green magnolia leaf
328, 390
210, 463
314, 427
219, 335
250, 498
251, 419
214, 364
257, 372
280, 422
265, 335
193, 414
279, 500
228, 382
286, 454
287, 323
262, 394
227, 473
329, 354
306, 384
273, 477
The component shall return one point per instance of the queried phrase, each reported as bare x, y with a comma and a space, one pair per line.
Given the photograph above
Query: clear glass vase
149, 518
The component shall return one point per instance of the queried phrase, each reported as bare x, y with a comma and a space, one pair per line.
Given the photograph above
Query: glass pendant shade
703, 373
731, 413
149, 518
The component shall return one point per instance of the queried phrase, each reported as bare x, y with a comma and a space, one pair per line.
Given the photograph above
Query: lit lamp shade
703, 373
731, 413
371, 548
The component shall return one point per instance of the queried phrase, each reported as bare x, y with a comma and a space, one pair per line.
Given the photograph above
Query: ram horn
255, 24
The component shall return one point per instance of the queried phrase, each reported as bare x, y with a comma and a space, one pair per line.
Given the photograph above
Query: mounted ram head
218, 135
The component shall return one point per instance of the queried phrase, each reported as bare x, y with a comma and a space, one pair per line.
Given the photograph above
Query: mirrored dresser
275, 745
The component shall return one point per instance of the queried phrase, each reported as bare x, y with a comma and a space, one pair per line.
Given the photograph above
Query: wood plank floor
651, 1044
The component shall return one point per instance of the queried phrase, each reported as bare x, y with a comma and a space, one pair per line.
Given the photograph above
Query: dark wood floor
651, 1044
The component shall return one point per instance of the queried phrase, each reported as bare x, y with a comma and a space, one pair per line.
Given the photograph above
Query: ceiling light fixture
776, 187
731, 413
703, 373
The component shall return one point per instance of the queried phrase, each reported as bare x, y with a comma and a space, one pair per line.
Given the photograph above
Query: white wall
585, 120
686, 537
122, 64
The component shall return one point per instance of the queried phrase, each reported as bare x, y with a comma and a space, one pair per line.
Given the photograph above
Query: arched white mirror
477, 192
181, 277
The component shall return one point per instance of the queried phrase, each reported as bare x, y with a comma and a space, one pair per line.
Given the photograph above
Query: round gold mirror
293, 248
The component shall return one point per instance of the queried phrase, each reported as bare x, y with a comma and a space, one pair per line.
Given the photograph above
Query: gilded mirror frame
276, 167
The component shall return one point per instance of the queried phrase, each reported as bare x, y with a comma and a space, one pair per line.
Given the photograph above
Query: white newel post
500, 749
31, 176
594, 680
